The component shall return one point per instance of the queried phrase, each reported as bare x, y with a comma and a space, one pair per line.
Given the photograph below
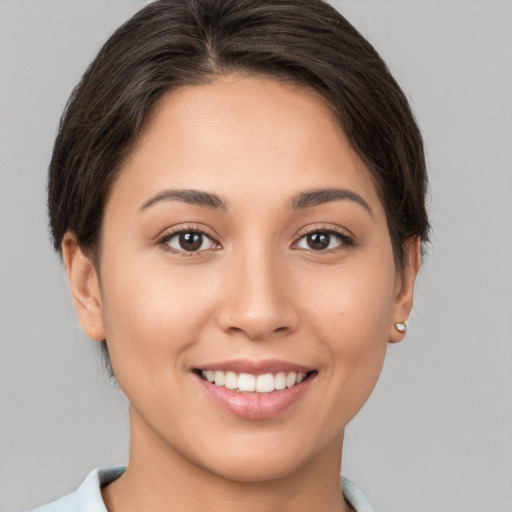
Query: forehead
243, 134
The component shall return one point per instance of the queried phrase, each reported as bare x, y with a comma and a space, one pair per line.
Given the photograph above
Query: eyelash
164, 240
345, 241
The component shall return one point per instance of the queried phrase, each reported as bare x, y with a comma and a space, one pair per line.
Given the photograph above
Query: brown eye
323, 240
189, 241
318, 241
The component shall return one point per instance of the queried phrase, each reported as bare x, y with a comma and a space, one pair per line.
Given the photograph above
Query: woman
238, 193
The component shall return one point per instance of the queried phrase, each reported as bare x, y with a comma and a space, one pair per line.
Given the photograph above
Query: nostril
256, 318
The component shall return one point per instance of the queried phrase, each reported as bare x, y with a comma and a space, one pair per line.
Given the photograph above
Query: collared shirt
87, 498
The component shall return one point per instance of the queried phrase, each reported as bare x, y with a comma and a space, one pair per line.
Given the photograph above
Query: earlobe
84, 285
404, 293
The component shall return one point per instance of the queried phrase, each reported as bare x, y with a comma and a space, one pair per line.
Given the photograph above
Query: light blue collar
87, 498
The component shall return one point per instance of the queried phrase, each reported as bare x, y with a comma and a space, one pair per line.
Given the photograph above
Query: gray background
437, 433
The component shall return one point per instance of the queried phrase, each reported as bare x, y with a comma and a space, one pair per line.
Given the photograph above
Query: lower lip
256, 406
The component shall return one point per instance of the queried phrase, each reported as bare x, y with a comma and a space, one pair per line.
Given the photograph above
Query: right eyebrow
189, 196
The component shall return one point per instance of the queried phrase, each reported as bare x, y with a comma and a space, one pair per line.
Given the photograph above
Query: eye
189, 241
323, 240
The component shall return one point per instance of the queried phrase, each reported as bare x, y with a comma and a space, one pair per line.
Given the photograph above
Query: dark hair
171, 43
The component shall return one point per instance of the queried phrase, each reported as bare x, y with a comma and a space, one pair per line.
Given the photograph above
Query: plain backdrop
436, 436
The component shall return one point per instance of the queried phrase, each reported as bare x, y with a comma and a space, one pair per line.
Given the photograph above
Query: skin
257, 291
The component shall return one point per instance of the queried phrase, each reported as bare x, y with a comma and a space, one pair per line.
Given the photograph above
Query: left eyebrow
315, 197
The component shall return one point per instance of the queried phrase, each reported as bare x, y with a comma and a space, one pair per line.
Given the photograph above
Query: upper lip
255, 367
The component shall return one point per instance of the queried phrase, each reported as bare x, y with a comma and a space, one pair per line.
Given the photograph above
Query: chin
252, 469
266, 457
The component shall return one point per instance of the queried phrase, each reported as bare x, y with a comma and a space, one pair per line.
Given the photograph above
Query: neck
159, 478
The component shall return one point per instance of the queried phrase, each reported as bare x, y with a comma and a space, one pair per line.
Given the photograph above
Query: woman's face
244, 242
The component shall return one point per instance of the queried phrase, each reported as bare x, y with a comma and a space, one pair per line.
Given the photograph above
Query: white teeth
265, 383
300, 377
246, 382
280, 380
290, 379
219, 378
231, 380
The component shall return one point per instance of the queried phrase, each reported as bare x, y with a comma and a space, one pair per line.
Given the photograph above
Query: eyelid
346, 237
168, 234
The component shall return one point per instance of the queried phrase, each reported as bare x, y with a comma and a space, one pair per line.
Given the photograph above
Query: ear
85, 288
404, 289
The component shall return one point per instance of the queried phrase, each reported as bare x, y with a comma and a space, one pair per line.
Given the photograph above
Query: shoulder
87, 498
67, 503
355, 496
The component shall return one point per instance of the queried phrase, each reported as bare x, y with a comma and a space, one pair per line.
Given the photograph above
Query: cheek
153, 313
356, 298
350, 316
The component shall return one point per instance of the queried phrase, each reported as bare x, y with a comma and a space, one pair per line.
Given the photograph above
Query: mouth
255, 383
255, 390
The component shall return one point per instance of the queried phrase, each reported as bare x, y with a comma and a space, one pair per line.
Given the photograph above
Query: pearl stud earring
401, 327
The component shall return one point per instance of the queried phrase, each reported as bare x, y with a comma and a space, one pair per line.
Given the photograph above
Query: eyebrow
189, 196
300, 201
315, 197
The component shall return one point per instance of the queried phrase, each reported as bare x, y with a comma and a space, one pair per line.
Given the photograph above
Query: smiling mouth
251, 383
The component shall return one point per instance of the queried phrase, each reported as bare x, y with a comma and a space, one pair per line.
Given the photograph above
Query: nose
259, 302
